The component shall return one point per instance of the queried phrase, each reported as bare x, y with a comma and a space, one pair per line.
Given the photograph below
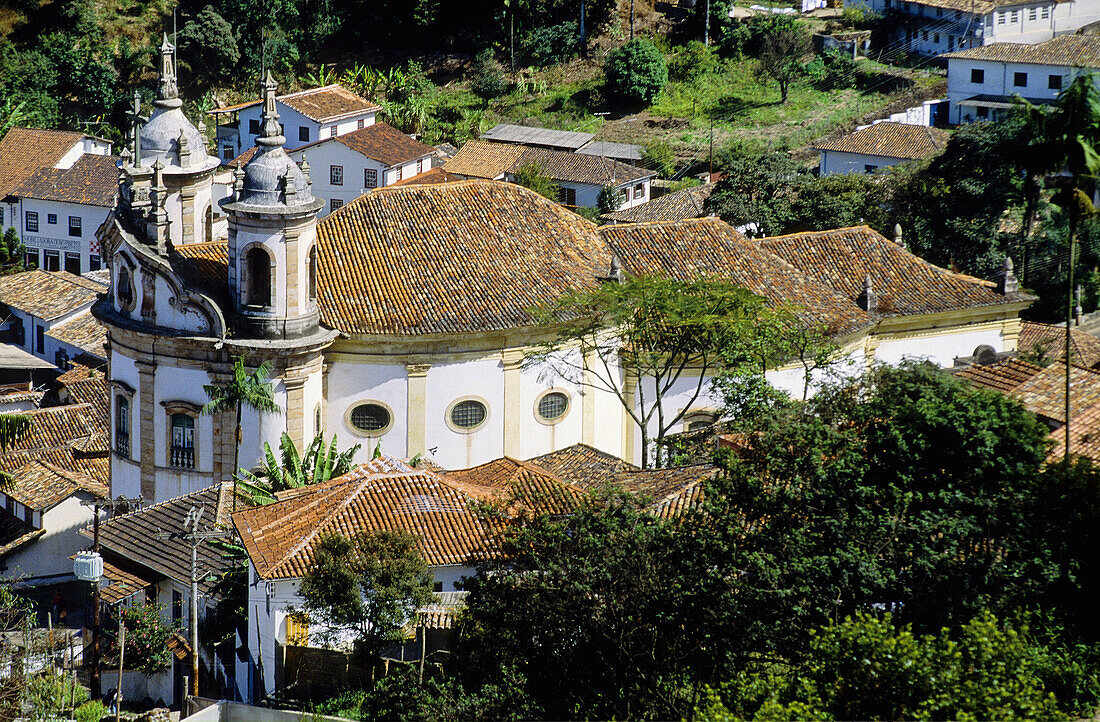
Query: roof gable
890, 140
92, 180
23, 151
385, 144
41, 485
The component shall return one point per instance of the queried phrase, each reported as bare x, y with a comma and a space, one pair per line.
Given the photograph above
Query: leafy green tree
783, 51
654, 327
550, 44
692, 61
369, 585
838, 201
530, 175
657, 155
208, 48
292, 470
609, 199
12, 428
488, 76
756, 188
635, 72
243, 390
146, 639
866, 668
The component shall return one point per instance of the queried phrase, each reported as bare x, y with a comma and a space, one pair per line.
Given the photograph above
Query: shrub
50, 692
146, 639
531, 176
635, 72
488, 79
609, 200
693, 60
90, 712
551, 44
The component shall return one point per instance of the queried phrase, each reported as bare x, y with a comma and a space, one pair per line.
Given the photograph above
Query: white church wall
540, 436
169, 313
257, 428
940, 347
480, 379
352, 383
273, 244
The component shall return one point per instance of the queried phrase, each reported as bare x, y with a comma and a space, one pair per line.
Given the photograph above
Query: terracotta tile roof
675, 206
92, 180
435, 175
320, 104
25, 150
1005, 376
1049, 342
205, 267
671, 491
905, 284
84, 332
890, 140
18, 393
1077, 51
1044, 393
15, 533
87, 386
41, 485
563, 166
98, 467
527, 484
709, 246
381, 142
48, 295
448, 258
481, 159
243, 158
134, 537
281, 538
978, 7
57, 427
124, 580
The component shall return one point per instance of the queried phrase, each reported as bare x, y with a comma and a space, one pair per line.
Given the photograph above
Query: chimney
868, 300
1007, 282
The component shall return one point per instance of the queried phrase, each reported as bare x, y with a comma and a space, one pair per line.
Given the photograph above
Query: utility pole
631, 19
195, 537
706, 27
95, 688
584, 43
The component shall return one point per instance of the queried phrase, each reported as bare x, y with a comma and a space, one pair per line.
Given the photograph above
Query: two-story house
306, 117
347, 166
931, 27
982, 83
48, 315
56, 187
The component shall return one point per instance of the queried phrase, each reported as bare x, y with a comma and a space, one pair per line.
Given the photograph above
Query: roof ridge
150, 507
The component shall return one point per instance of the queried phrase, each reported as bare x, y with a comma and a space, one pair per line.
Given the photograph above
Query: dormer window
258, 265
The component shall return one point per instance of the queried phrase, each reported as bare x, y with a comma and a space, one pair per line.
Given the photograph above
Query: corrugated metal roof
526, 135
618, 151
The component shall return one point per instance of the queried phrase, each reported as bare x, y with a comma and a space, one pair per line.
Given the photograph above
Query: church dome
268, 177
169, 136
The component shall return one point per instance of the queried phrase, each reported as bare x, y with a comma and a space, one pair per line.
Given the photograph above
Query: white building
403, 321
307, 116
349, 165
931, 27
56, 187
879, 145
580, 177
983, 82
49, 315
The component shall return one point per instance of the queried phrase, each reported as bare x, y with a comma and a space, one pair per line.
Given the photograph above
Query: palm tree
244, 389
1068, 136
318, 464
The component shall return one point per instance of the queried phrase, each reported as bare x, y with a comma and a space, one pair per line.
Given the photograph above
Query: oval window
552, 406
468, 414
369, 418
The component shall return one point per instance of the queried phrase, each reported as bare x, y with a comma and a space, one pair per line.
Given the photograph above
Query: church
401, 320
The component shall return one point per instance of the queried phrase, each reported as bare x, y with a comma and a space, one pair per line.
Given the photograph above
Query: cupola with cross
273, 237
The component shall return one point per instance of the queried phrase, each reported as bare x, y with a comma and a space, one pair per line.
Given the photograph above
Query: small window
977, 76
61, 359
227, 152
72, 263
924, 35
1044, 13
313, 281
336, 175
52, 260
370, 178
1019, 79
182, 452
32, 222
124, 289
553, 406
297, 630
468, 415
370, 418
332, 132
567, 196
936, 38
18, 332
639, 191
1032, 13
1054, 82
30, 258
51, 219
359, 124
399, 173
122, 425
303, 133
1000, 17
334, 204
254, 126
983, 112
420, 166
1015, 17
870, 168
258, 264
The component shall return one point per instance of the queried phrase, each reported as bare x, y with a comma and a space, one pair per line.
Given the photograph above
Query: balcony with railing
122, 445
182, 457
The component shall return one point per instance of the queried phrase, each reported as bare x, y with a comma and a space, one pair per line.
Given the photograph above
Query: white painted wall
941, 347
292, 121
55, 236
323, 156
835, 161
999, 79
49, 554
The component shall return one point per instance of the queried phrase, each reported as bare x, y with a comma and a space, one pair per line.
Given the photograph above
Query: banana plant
292, 470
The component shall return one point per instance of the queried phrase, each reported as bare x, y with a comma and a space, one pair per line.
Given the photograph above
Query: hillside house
56, 188
48, 315
879, 145
983, 83
306, 117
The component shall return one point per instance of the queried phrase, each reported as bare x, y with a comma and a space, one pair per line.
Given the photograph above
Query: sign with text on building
60, 244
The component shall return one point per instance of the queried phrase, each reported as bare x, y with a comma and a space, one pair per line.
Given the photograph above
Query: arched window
258, 264
208, 224
124, 289
313, 273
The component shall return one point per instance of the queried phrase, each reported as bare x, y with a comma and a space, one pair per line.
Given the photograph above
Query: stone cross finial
897, 235
868, 300
1078, 311
290, 192
136, 121
167, 89
271, 134
1007, 281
